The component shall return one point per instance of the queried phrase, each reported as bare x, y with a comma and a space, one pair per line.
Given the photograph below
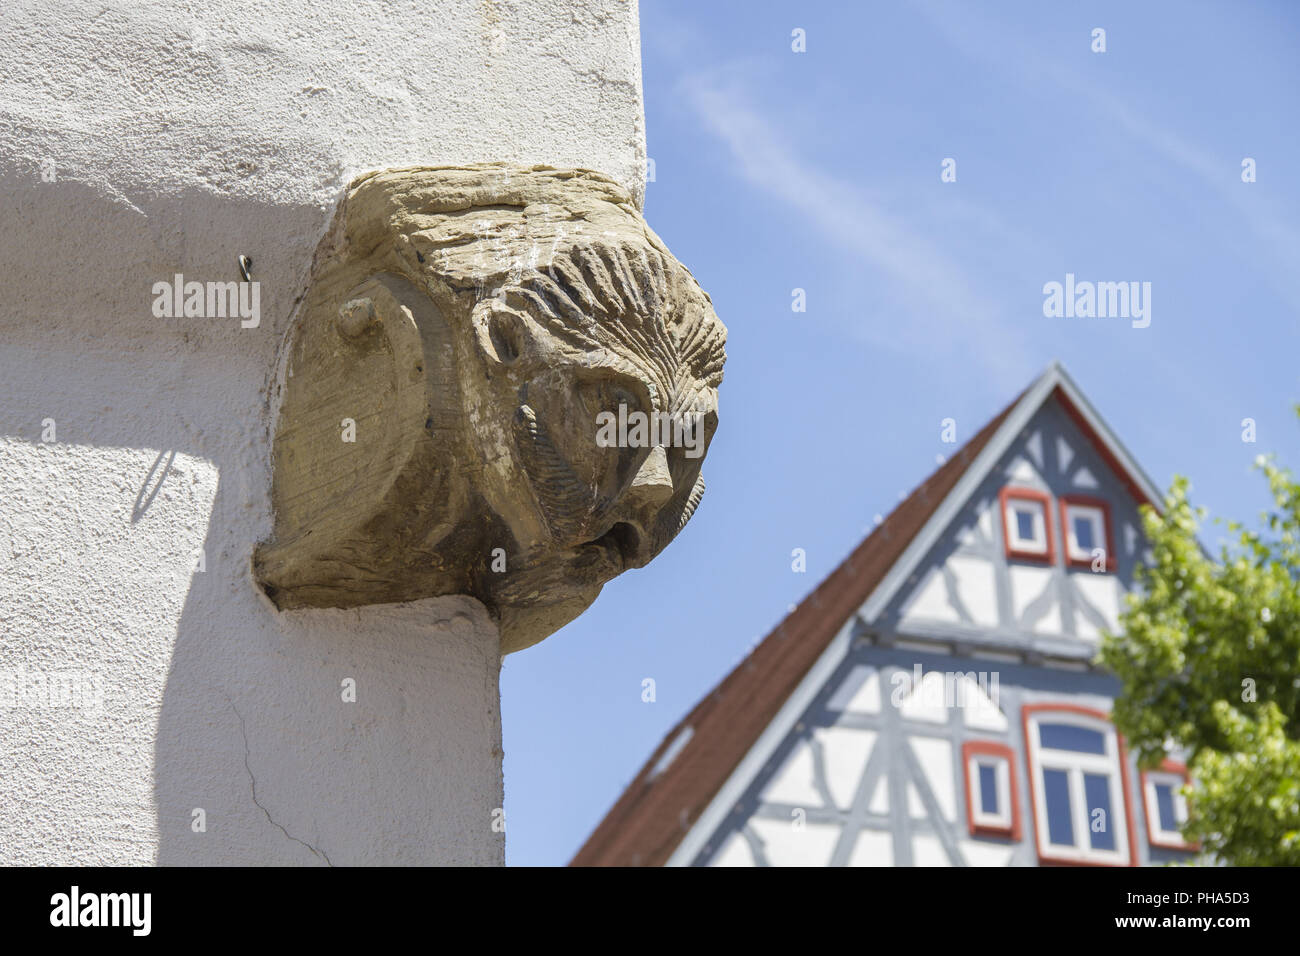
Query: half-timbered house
934, 701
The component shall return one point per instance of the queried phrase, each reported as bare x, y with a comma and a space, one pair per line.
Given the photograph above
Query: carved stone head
500, 383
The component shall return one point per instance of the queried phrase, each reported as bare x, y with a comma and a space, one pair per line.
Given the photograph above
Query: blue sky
777, 170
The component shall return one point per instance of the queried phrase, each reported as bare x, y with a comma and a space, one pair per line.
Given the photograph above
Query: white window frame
1002, 781
1157, 835
1075, 765
1097, 518
1016, 506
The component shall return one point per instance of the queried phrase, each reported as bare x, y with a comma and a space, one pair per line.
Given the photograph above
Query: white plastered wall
140, 140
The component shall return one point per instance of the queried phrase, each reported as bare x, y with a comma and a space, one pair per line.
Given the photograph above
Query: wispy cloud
998, 46
946, 309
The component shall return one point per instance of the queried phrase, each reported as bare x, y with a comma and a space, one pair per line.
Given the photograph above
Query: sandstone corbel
473, 324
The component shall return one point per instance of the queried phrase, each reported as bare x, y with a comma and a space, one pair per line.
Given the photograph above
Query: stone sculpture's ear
369, 375
377, 304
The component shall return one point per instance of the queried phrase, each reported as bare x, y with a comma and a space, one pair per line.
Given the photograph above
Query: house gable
977, 587
763, 737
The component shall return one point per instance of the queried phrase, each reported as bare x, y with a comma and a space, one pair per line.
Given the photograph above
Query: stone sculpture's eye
602, 395
622, 398
593, 398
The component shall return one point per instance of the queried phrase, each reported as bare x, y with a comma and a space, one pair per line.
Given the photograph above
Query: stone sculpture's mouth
622, 540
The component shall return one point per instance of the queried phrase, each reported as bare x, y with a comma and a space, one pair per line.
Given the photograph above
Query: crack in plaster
243, 729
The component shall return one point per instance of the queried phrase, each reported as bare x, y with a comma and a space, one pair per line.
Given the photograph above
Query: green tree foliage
1209, 659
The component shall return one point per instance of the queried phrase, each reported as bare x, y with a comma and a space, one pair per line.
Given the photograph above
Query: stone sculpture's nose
653, 484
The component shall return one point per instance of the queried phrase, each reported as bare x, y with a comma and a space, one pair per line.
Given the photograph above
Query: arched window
1078, 781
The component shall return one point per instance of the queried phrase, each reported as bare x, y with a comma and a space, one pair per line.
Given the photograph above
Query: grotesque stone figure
469, 337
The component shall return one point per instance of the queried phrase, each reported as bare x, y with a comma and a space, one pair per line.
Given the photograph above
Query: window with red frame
1165, 806
1078, 781
1085, 533
992, 803
1026, 527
